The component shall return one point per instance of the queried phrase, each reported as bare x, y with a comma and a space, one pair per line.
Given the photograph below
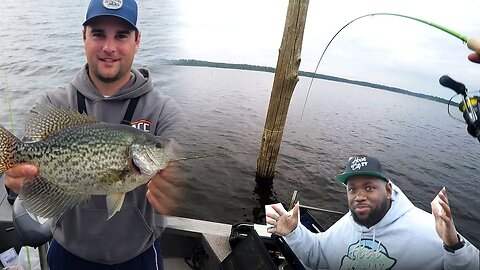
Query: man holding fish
75, 160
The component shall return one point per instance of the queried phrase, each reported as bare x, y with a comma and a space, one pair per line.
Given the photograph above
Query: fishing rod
472, 44
294, 200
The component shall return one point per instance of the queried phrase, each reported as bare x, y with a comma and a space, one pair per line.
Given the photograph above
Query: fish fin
46, 199
114, 203
46, 119
8, 143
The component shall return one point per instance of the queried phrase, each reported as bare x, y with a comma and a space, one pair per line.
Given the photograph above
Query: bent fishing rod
472, 43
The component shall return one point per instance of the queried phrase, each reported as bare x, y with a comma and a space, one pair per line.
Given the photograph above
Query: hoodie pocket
87, 234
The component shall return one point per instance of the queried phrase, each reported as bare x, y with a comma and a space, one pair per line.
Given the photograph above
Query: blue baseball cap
124, 9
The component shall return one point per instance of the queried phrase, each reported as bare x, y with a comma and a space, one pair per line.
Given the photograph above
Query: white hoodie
405, 238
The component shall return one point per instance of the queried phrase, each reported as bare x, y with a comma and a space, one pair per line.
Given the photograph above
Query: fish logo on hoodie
367, 254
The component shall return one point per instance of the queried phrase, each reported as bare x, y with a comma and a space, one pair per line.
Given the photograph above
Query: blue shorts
59, 258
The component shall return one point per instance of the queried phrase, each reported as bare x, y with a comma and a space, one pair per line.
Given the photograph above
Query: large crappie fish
78, 156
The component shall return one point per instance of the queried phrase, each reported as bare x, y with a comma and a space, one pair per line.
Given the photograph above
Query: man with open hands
382, 230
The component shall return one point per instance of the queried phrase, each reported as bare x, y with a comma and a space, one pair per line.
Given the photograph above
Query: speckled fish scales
78, 156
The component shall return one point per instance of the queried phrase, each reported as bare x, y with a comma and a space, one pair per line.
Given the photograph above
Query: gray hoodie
84, 230
404, 239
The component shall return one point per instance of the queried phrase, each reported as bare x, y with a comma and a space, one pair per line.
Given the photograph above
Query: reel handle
458, 87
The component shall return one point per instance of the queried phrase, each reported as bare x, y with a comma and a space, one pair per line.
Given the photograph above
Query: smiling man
110, 44
109, 89
383, 229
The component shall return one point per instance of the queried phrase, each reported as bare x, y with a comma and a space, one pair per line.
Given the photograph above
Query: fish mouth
139, 169
145, 161
135, 169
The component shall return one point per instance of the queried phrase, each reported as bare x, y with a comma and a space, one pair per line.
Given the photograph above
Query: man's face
110, 47
368, 199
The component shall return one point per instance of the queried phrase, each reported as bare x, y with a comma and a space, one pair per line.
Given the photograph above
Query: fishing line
9, 101
448, 109
201, 157
472, 44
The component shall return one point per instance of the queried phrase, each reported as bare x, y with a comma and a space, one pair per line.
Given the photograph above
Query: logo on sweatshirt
142, 125
367, 254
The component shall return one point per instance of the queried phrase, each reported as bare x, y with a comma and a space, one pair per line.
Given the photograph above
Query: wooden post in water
286, 77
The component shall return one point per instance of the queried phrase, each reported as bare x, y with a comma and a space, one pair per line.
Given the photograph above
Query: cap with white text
362, 165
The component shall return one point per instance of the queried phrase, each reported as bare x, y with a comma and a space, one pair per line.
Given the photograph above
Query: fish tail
8, 144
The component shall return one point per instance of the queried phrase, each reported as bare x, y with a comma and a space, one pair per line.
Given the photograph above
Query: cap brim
344, 176
85, 23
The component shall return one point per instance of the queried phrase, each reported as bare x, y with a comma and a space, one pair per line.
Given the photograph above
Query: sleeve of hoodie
57, 97
171, 120
307, 246
467, 257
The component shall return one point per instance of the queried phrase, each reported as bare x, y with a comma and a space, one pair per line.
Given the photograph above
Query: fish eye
158, 145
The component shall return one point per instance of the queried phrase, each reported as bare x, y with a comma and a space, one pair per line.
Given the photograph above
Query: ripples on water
421, 147
41, 46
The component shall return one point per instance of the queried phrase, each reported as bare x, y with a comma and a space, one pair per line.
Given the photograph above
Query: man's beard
107, 80
375, 215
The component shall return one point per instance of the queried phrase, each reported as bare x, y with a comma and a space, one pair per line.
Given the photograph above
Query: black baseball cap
362, 165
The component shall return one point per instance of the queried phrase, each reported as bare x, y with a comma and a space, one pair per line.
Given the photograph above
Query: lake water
421, 147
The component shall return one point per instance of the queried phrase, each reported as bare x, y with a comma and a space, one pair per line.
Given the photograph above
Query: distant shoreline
200, 63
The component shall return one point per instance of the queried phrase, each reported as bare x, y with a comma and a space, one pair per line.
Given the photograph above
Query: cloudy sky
380, 49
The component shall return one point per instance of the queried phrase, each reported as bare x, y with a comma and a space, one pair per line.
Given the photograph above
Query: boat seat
30, 231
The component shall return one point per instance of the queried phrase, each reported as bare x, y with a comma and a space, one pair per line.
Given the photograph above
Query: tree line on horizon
201, 63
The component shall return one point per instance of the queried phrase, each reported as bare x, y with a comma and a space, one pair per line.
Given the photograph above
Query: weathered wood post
286, 77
